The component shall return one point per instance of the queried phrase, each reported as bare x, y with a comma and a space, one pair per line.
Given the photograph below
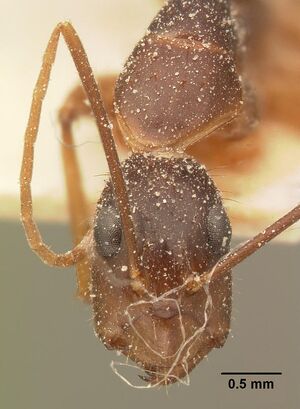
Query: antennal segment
241, 252
86, 75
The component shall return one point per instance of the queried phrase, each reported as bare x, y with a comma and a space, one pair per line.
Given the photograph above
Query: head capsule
181, 231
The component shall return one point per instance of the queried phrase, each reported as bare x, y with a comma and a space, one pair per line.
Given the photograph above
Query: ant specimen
156, 262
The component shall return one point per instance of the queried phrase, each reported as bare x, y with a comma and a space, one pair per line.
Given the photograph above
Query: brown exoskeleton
156, 262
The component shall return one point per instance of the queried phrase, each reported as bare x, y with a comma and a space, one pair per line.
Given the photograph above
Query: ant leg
242, 251
74, 108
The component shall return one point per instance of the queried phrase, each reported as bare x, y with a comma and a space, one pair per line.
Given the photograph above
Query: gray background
50, 357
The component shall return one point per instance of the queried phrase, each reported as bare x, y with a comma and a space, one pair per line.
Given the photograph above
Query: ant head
181, 231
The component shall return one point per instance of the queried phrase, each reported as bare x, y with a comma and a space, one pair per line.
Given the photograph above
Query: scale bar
251, 373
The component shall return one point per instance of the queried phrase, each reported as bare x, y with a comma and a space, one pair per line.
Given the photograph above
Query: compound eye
108, 231
219, 229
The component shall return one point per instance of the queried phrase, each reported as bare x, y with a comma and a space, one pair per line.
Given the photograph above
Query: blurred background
49, 355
